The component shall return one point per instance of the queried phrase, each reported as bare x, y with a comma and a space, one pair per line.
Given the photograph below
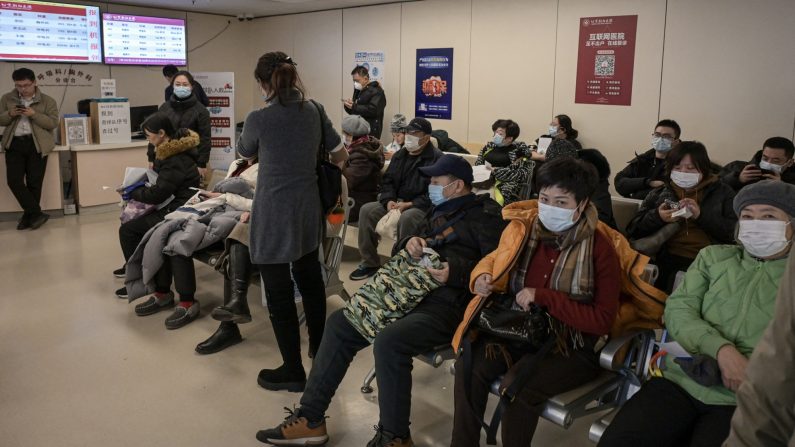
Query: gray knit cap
767, 192
560, 148
355, 125
399, 123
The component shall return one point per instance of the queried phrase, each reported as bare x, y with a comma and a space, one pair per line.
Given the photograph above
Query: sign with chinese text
434, 88
606, 60
374, 61
107, 88
110, 120
220, 89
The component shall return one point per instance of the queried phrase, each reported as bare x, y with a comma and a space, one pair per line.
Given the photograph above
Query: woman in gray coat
286, 217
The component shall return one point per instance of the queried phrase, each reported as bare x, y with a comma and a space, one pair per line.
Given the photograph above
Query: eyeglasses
23, 86
664, 136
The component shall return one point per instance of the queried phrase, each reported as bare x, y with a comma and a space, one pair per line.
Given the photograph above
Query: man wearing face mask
368, 101
169, 71
647, 170
718, 316
403, 188
773, 162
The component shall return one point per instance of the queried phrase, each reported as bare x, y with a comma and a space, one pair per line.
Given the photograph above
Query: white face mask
556, 219
357, 86
763, 238
412, 143
685, 180
767, 166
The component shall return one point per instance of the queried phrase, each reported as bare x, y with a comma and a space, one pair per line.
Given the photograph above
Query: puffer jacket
188, 113
43, 122
730, 174
633, 180
363, 173
176, 173
641, 305
369, 103
404, 181
727, 298
717, 216
765, 402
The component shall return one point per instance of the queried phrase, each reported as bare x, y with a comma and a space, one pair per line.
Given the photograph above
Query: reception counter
102, 165
51, 194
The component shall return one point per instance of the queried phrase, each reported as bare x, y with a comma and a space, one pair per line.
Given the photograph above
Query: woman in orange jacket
553, 258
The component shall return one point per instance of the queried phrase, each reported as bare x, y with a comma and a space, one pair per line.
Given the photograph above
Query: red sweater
595, 317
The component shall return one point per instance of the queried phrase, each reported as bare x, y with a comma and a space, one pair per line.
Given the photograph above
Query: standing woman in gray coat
286, 218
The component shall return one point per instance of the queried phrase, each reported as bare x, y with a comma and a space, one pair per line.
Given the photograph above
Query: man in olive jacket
369, 100
29, 117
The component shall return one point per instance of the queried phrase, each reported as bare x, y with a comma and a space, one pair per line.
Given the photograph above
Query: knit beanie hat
399, 123
767, 192
355, 125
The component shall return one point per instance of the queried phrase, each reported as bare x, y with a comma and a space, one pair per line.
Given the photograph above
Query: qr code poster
605, 60
605, 65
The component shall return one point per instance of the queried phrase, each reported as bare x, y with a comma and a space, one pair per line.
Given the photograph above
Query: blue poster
434, 88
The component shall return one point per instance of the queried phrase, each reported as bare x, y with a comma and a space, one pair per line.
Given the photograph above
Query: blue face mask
498, 139
661, 144
436, 194
181, 91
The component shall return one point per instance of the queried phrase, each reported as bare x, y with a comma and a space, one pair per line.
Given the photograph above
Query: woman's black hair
510, 126
183, 73
569, 174
565, 123
159, 121
698, 155
276, 72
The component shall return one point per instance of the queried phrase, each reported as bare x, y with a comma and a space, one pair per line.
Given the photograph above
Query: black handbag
329, 175
530, 328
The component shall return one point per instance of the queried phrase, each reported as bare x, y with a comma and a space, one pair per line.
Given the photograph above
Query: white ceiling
257, 8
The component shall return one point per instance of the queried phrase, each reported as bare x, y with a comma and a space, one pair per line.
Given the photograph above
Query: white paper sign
220, 89
107, 88
111, 121
374, 61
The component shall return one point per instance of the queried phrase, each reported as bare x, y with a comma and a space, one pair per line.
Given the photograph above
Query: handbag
387, 226
135, 209
530, 328
329, 175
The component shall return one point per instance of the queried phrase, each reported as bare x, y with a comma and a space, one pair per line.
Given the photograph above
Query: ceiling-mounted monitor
49, 32
141, 40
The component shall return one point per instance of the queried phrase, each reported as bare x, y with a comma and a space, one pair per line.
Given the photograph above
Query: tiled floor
78, 368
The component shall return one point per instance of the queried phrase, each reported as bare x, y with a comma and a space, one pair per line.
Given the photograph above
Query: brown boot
295, 430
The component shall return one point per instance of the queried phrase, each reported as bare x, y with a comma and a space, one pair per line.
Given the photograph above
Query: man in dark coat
462, 228
368, 100
403, 188
647, 170
773, 162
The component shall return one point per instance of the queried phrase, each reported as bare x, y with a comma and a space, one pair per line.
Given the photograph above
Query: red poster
605, 60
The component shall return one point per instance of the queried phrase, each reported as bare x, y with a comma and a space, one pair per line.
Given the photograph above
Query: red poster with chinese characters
606, 60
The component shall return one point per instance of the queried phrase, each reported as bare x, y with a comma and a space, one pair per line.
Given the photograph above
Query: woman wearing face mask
511, 170
398, 127
717, 315
286, 219
185, 111
556, 255
709, 219
365, 160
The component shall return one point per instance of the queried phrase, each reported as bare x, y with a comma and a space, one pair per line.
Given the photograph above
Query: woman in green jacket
717, 315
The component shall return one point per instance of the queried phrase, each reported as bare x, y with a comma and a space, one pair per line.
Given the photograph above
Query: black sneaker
282, 378
154, 305
295, 430
182, 316
120, 273
38, 221
363, 272
383, 438
24, 223
122, 293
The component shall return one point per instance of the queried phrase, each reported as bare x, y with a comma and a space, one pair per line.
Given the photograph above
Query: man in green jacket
29, 117
718, 316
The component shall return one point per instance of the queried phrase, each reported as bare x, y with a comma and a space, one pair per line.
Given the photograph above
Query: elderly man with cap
362, 170
462, 228
398, 127
403, 188
718, 315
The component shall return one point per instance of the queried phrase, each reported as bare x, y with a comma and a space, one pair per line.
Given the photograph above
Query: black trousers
281, 304
427, 326
664, 414
131, 233
25, 169
669, 265
181, 268
556, 374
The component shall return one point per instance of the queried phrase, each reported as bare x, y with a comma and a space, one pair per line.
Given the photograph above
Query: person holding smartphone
773, 162
29, 117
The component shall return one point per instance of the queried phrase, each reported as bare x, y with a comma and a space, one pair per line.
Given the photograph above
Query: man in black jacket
647, 170
462, 228
773, 162
368, 100
404, 188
